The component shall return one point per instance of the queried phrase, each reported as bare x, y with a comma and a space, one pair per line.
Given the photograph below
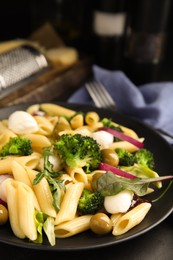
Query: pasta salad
63, 172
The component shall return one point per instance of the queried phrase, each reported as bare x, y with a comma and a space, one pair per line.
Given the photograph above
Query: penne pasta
66, 178
115, 217
50, 109
43, 194
130, 132
73, 227
30, 161
38, 142
125, 145
77, 121
21, 205
131, 219
127, 130
95, 127
84, 130
19, 173
13, 208
4, 129
56, 110
3, 192
26, 211
45, 126
5, 165
33, 109
77, 175
63, 121
69, 203
53, 120
92, 118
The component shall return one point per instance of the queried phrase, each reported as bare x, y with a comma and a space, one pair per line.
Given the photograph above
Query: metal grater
19, 66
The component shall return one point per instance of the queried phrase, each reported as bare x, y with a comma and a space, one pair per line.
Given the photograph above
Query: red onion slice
123, 137
107, 167
3, 203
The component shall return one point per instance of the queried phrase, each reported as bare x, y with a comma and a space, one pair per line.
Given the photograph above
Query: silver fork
103, 99
100, 95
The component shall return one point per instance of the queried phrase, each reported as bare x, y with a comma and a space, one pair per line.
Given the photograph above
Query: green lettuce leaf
44, 223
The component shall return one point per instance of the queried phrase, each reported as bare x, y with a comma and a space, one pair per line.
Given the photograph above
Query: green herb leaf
50, 175
38, 178
109, 184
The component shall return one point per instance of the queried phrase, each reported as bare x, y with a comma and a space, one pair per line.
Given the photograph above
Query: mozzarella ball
21, 122
118, 203
55, 161
103, 138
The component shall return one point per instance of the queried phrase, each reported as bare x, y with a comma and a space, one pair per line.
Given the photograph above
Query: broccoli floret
125, 158
90, 202
79, 151
107, 122
17, 146
144, 157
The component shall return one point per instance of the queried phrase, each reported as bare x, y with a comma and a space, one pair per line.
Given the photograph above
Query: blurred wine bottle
109, 27
146, 39
72, 22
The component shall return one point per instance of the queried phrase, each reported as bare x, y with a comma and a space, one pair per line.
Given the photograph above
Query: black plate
160, 210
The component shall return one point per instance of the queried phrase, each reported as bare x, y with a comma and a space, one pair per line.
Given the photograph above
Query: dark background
19, 18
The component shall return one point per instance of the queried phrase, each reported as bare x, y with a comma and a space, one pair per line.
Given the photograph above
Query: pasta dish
63, 172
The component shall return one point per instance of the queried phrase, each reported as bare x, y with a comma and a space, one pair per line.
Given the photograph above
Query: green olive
3, 214
100, 224
95, 177
110, 157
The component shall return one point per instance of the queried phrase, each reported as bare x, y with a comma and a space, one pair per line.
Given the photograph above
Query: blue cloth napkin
152, 103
